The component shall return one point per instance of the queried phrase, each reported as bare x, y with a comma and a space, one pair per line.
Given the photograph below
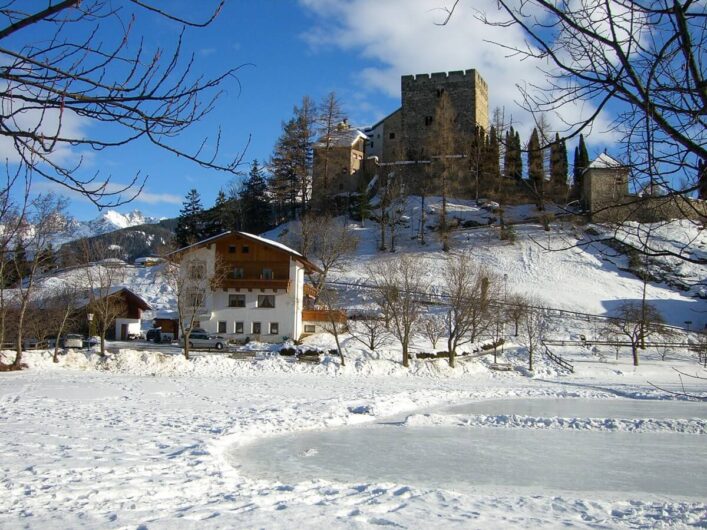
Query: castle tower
467, 91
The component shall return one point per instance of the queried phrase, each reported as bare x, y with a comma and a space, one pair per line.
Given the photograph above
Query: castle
351, 156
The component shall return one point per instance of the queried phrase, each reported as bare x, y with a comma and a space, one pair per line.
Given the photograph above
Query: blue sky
288, 48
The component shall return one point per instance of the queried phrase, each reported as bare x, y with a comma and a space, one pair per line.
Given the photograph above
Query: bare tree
104, 275
641, 60
192, 282
370, 330
433, 328
533, 327
72, 60
400, 284
43, 222
516, 307
637, 322
336, 318
63, 305
444, 150
328, 243
330, 115
470, 290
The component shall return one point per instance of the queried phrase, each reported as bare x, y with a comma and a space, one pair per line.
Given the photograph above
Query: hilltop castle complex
403, 137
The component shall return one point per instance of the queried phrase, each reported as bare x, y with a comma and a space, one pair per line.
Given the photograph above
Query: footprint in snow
310, 452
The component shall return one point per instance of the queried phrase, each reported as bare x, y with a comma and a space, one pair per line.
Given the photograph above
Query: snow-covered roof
252, 237
342, 138
99, 293
271, 243
604, 161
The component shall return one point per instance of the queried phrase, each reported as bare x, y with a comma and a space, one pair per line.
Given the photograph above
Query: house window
236, 300
231, 249
391, 136
236, 273
266, 301
239, 328
274, 328
267, 274
256, 328
221, 326
428, 121
197, 270
195, 298
245, 249
309, 328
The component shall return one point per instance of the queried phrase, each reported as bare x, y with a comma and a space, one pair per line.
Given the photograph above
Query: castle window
440, 91
371, 144
391, 136
428, 121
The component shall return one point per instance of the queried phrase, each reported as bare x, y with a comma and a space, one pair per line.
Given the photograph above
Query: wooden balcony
323, 315
255, 283
310, 290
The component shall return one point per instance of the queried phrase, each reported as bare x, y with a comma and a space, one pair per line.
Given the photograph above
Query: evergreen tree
536, 174
190, 222
492, 167
558, 168
254, 201
581, 162
508, 158
220, 217
477, 160
284, 184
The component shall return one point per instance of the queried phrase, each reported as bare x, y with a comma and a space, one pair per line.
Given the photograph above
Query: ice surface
474, 460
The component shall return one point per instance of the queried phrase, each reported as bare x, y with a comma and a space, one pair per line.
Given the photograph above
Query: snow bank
685, 426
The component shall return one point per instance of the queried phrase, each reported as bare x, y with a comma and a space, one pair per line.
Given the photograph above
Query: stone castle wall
420, 93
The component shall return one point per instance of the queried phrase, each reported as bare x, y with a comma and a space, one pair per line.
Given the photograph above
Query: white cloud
403, 37
145, 196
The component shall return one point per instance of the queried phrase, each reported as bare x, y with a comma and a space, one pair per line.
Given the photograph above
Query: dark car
154, 334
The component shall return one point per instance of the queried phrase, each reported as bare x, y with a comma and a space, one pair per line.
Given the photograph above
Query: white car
73, 341
202, 340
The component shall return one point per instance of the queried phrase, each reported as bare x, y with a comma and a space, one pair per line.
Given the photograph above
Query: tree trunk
406, 356
103, 342
18, 343
55, 358
530, 359
634, 351
338, 346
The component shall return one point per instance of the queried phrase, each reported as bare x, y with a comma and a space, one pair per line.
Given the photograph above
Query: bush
288, 352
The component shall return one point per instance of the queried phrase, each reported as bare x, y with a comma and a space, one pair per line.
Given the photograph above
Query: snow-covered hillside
591, 278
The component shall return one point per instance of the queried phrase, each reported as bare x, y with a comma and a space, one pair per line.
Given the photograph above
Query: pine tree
492, 168
508, 158
558, 168
581, 162
220, 217
477, 157
517, 158
254, 201
305, 120
536, 174
284, 184
190, 222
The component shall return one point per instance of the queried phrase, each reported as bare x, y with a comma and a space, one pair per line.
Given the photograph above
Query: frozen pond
584, 408
482, 460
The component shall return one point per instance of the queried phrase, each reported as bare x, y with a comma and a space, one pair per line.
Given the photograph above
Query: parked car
72, 341
202, 340
153, 334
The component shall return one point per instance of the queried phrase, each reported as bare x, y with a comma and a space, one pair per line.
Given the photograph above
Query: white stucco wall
133, 326
287, 311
